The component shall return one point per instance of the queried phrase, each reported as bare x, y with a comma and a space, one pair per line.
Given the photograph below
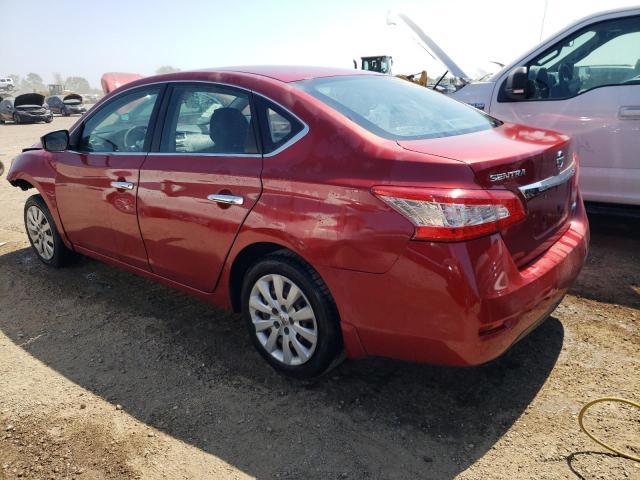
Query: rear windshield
397, 109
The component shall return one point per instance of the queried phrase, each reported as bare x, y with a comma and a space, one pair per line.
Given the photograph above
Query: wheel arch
23, 180
243, 261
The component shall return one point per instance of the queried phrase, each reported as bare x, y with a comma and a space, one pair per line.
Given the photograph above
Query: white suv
6, 84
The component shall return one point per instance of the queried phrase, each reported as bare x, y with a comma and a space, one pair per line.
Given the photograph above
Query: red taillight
453, 214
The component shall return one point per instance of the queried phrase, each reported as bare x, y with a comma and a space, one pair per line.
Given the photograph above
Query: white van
583, 81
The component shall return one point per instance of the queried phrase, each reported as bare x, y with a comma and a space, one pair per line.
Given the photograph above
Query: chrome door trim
282, 147
122, 185
226, 199
204, 154
536, 188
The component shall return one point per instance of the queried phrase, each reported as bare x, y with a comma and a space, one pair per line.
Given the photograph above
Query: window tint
277, 126
120, 125
607, 53
208, 120
397, 109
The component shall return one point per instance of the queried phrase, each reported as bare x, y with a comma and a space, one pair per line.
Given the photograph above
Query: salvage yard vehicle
26, 108
66, 105
343, 214
583, 81
6, 84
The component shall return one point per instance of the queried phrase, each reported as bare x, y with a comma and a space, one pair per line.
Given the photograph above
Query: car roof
289, 73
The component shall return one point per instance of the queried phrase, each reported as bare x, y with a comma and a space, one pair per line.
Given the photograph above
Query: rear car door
588, 86
97, 178
199, 182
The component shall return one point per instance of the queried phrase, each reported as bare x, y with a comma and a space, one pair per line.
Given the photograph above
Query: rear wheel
292, 319
43, 234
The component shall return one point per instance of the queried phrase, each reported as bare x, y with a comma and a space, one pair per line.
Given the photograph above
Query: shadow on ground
614, 259
188, 369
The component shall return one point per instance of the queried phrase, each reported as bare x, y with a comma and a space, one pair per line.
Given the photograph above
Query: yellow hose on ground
592, 437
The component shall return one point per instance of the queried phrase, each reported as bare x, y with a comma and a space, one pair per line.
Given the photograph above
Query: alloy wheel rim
40, 232
284, 320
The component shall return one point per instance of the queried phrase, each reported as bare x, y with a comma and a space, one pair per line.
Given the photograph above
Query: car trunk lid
535, 164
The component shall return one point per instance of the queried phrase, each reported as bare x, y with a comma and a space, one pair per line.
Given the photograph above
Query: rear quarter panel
316, 197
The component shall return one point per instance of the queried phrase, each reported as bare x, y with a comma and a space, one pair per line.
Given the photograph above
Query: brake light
456, 214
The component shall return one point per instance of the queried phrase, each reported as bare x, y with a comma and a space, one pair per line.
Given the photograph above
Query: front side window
397, 109
208, 119
607, 53
121, 125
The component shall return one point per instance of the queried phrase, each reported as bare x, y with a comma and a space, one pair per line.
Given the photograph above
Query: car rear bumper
456, 303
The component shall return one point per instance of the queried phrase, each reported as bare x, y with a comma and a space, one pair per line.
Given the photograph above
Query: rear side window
121, 124
208, 119
277, 126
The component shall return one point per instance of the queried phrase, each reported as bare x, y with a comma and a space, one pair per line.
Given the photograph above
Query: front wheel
43, 234
292, 319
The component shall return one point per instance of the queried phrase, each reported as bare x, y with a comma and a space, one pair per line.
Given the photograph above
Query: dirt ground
107, 375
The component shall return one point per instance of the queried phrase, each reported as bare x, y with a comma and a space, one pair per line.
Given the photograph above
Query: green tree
33, 83
77, 84
166, 69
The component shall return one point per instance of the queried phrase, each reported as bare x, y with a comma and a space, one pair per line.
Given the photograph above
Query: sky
81, 38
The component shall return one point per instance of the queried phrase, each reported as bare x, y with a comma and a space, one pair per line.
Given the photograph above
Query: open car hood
29, 99
72, 99
432, 47
113, 80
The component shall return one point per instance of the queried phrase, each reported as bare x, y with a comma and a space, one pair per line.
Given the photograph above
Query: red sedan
343, 213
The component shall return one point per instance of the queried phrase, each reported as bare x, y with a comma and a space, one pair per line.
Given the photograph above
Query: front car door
97, 178
199, 182
588, 86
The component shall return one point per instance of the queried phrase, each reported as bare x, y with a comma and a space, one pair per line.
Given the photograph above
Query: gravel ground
107, 375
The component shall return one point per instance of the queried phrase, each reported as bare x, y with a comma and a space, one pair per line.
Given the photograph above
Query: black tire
62, 256
65, 112
328, 348
49, 120
16, 119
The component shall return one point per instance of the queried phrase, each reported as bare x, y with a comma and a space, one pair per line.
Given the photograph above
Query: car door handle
226, 199
629, 112
122, 185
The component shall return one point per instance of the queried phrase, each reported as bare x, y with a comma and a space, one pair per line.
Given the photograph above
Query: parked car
66, 105
6, 84
26, 108
583, 81
341, 213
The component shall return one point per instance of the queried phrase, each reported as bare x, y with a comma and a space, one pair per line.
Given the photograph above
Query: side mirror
57, 141
517, 84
